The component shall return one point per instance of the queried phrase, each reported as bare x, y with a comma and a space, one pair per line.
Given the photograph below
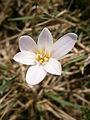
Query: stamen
42, 56
48, 55
45, 59
41, 61
38, 51
43, 52
37, 57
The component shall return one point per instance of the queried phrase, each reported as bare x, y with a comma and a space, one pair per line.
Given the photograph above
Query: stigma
42, 56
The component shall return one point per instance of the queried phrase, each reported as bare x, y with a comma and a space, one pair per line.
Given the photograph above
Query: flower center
42, 56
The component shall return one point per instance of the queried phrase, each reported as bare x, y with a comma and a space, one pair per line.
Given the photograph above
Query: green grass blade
76, 59
22, 18
64, 102
5, 84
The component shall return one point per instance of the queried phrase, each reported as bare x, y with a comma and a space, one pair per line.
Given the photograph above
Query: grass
65, 97
6, 84
22, 18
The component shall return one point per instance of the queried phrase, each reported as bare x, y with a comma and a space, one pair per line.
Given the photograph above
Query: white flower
44, 55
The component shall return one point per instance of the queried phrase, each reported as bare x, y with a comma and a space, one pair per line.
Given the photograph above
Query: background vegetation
65, 97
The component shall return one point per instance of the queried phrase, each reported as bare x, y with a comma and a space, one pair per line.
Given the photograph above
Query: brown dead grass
57, 97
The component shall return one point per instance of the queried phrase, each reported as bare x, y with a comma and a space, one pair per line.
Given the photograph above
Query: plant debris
65, 97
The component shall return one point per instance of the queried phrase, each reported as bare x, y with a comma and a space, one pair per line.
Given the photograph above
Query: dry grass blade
65, 97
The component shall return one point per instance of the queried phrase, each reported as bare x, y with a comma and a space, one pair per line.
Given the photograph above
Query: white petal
53, 67
63, 45
26, 43
26, 58
35, 75
45, 40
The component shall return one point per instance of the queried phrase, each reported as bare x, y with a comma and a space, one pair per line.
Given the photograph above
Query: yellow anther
37, 57
45, 59
48, 55
38, 52
43, 52
41, 61
42, 56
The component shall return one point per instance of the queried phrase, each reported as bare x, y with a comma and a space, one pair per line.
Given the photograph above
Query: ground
65, 97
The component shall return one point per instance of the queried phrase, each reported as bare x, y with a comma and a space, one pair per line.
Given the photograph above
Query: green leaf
22, 18
38, 107
86, 113
76, 59
11, 104
5, 84
64, 102
80, 37
39, 111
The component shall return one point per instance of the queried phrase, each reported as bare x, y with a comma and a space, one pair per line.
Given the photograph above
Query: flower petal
63, 45
53, 67
35, 75
26, 58
26, 43
45, 40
